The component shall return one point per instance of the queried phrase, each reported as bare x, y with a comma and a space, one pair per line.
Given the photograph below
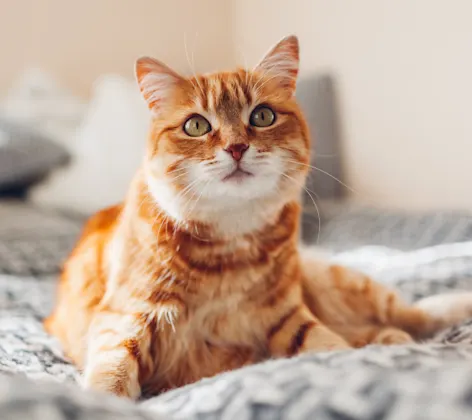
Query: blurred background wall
404, 75
403, 71
77, 41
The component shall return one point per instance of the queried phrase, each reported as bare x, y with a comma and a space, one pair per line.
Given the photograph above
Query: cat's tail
338, 296
445, 310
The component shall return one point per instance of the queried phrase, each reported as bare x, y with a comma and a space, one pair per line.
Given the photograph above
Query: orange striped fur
198, 271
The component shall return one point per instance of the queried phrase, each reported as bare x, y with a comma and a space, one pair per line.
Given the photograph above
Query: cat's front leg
298, 331
117, 351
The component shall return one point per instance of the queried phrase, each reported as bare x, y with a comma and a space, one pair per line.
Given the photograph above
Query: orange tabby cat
199, 270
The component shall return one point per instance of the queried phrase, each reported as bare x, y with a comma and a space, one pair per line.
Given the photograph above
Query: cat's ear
156, 81
282, 61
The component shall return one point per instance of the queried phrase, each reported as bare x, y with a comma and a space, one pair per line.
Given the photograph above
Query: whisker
214, 171
146, 197
262, 84
312, 199
246, 68
166, 219
177, 177
186, 190
182, 194
198, 198
324, 172
176, 170
186, 217
187, 159
263, 81
191, 66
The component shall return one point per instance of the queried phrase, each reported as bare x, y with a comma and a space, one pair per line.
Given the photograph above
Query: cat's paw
330, 342
339, 346
448, 309
391, 336
332, 345
110, 383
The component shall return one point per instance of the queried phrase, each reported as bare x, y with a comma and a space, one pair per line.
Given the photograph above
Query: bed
418, 254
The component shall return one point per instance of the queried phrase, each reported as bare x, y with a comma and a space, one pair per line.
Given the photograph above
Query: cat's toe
391, 336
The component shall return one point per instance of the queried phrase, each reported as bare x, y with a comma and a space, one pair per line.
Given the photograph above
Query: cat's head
225, 142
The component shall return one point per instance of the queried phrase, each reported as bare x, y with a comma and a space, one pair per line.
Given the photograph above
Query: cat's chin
238, 176
240, 187
244, 196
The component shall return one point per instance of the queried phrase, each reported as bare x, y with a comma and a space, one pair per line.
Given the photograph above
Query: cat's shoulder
103, 220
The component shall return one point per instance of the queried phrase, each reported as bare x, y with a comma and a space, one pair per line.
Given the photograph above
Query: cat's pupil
262, 116
196, 125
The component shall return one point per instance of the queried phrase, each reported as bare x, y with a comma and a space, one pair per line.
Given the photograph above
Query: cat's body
199, 270
211, 302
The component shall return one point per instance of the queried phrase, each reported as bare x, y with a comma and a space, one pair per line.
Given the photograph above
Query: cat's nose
237, 150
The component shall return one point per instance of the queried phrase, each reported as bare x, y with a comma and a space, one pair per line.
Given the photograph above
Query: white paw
448, 309
110, 383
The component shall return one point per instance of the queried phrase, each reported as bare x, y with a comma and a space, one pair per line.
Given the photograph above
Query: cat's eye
262, 116
197, 126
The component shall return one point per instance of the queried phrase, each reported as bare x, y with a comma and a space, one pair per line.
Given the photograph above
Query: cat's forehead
225, 94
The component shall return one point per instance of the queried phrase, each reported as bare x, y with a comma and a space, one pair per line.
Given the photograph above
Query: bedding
419, 255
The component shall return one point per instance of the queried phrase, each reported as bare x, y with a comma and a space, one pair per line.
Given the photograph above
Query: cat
199, 270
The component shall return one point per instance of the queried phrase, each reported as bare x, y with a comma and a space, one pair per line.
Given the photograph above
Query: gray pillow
317, 98
25, 157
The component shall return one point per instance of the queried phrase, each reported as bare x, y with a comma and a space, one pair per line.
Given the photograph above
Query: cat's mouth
238, 175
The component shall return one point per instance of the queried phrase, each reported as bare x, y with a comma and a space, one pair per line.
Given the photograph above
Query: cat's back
91, 246
102, 221
83, 281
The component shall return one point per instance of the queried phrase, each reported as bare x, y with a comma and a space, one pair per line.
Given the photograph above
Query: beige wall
79, 40
404, 70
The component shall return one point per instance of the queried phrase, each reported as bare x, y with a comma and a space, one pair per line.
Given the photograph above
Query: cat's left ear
282, 61
156, 82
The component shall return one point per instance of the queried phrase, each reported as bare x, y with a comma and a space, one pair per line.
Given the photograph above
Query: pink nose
237, 150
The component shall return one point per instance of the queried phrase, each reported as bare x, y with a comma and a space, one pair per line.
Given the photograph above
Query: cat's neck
227, 224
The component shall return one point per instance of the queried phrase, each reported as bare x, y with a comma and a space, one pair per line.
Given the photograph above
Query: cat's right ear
156, 81
282, 61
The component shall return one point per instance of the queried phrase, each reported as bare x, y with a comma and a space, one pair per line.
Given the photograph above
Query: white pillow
107, 150
36, 100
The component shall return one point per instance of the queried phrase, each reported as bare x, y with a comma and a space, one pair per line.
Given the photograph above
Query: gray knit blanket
418, 255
